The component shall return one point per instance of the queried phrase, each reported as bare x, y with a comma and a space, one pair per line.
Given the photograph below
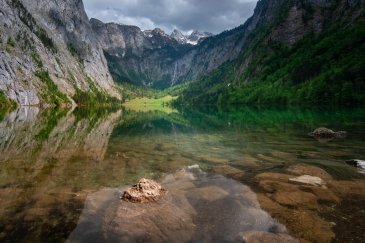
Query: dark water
61, 174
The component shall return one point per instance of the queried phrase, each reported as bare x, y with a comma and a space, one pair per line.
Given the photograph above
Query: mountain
197, 37
139, 57
293, 52
49, 54
179, 37
154, 59
194, 38
289, 51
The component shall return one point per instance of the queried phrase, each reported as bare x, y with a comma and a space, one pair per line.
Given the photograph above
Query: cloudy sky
186, 15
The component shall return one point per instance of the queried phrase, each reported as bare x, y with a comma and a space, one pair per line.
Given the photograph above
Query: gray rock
160, 59
66, 25
323, 132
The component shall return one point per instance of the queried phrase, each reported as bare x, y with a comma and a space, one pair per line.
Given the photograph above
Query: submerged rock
144, 191
356, 163
309, 180
301, 169
266, 237
360, 164
323, 132
200, 207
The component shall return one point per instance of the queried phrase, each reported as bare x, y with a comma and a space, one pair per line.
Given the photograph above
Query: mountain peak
193, 39
179, 37
196, 37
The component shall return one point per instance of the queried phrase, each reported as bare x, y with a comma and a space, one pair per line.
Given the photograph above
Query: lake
231, 175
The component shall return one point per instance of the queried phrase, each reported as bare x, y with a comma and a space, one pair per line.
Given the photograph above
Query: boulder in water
324, 134
144, 191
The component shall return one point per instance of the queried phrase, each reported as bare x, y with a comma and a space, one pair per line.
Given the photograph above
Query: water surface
54, 163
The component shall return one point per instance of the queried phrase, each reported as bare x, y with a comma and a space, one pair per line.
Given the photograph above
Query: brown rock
299, 198
273, 177
154, 222
209, 193
228, 171
325, 133
309, 170
266, 237
144, 191
304, 224
322, 132
214, 160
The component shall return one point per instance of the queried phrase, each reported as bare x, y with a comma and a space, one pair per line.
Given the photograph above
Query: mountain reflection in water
54, 164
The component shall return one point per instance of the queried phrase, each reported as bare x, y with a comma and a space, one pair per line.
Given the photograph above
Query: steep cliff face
155, 59
292, 52
49, 52
145, 58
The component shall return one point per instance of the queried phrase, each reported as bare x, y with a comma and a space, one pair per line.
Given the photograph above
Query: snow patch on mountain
193, 39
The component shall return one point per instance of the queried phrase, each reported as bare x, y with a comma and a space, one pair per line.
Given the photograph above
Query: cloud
186, 15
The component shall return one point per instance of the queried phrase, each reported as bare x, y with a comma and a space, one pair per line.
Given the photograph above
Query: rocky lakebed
243, 176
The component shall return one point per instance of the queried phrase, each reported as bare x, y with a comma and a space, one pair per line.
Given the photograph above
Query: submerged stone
356, 163
144, 191
360, 164
309, 180
200, 207
266, 237
322, 132
301, 169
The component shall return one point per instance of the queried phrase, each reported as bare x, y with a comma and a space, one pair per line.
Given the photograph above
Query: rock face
274, 24
144, 191
179, 37
155, 59
54, 37
194, 38
197, 37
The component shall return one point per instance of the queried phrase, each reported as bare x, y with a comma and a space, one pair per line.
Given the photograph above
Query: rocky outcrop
144, 191
179, 37
275, 26
54, 37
